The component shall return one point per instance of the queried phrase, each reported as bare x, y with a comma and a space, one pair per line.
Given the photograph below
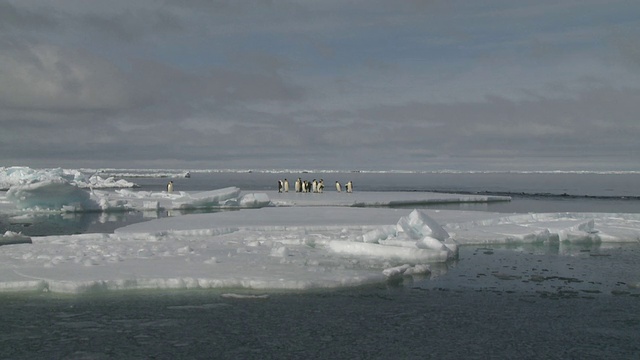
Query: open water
579, 302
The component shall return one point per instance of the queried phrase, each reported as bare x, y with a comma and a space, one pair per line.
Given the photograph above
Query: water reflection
67, 223
43, 224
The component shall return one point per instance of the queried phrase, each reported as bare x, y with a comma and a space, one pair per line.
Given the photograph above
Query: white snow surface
283, 241
21, 175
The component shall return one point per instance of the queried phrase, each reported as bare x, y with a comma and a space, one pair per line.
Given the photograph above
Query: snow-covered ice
59, 195
284, 247
277, 241
20, 175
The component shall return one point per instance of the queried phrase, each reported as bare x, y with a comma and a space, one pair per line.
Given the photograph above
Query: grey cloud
315, 84
130, 26
14, 17
41, 77
549, 127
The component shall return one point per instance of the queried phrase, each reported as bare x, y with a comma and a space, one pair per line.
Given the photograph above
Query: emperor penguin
314, 186
298, 185
286, 185
279, 186
338, 187
321, 186
349, 186
170, 187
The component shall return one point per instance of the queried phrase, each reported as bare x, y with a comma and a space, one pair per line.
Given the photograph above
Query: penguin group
314, 186
348, 186
283, 186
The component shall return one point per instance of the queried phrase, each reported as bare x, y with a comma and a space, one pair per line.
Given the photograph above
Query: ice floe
285, 248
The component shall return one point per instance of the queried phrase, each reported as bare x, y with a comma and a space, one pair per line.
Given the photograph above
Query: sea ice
289, 241
60, 195
278, 248
50, 194
11, 237
20, 175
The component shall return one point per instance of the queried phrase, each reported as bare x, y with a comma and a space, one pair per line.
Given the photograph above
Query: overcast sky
379, 85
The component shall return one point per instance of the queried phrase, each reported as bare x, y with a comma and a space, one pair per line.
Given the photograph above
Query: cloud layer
411, 85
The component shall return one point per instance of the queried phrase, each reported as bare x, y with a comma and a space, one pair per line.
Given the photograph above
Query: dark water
491, 303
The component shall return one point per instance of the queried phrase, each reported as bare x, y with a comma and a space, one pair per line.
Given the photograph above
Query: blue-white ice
21, 175
285, 241
72, 191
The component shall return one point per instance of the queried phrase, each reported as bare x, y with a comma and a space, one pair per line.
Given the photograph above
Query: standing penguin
286, 185
297, 185
321, 186
338, 187
170, 187
314, 186
349, 186
279, 186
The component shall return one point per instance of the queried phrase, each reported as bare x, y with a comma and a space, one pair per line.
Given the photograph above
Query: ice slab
548, 227
21, 175
374, 199
50, 194
283, 248
10, 237
61, 196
